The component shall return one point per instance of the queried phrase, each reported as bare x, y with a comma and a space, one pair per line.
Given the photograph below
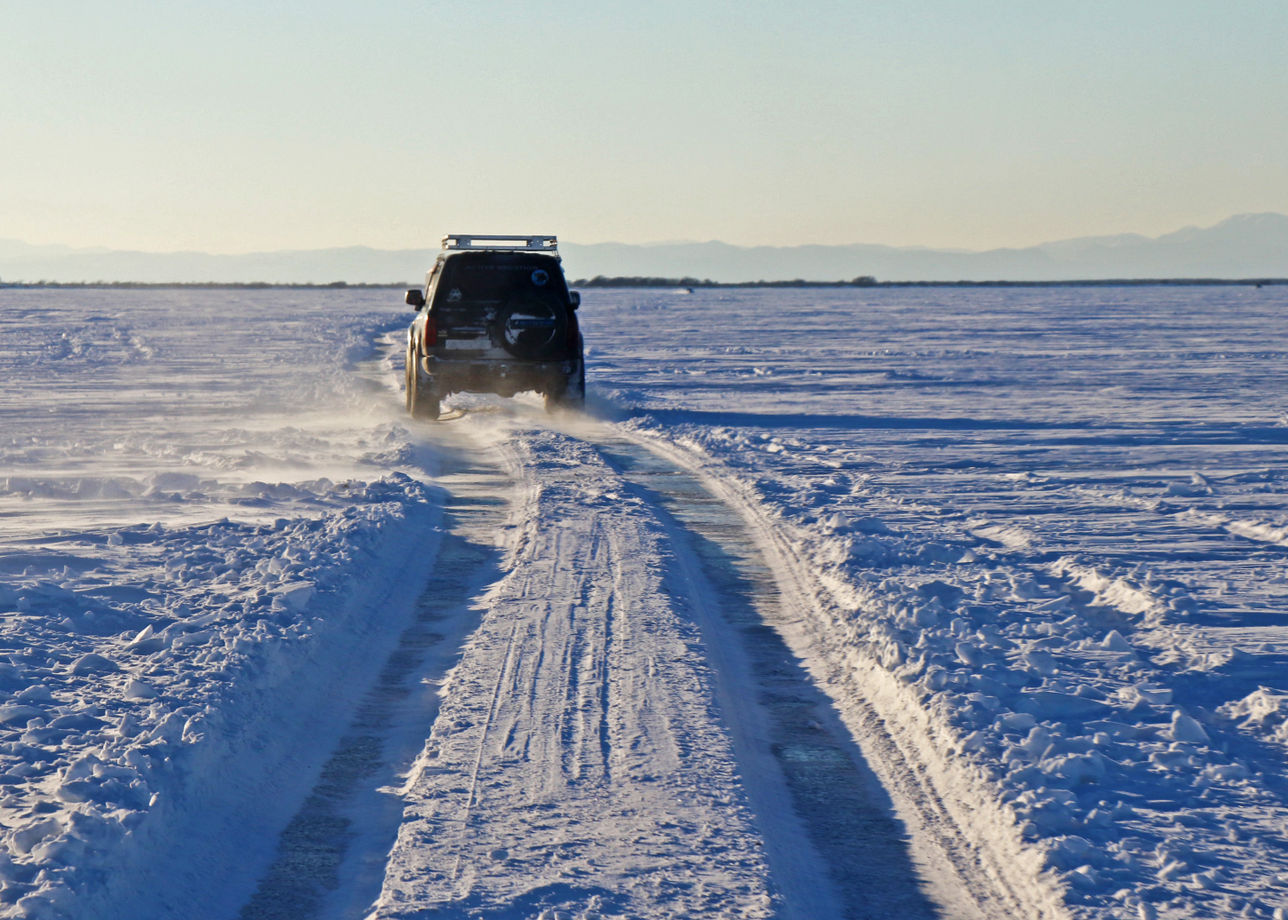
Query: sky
243, 126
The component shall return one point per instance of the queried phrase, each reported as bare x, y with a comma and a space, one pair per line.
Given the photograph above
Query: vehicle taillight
431, 330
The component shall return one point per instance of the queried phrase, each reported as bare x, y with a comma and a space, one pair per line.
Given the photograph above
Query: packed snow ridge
1032, 543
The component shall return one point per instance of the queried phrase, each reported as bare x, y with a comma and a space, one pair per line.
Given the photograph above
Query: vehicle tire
422, 400
409, 377
572, 394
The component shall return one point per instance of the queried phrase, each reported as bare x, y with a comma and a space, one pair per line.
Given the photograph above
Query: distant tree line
633, 281
217, 285
1097, 282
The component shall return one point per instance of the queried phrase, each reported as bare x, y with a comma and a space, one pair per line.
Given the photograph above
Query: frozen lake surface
1029, 545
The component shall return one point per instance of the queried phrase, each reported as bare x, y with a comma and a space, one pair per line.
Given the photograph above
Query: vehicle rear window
494, 281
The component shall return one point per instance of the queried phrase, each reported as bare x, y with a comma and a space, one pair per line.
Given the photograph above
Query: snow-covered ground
1032, 543
204, 522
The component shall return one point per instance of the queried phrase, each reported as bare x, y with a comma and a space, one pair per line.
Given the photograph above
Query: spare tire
532, 328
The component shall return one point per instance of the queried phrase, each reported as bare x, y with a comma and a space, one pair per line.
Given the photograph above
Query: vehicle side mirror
415, 298
574, 299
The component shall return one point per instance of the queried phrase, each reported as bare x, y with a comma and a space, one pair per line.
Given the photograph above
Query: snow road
972, 608
623, 733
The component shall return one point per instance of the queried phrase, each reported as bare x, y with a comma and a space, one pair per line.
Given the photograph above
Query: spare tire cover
531, 327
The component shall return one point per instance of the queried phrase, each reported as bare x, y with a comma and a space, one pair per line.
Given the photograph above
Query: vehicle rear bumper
492, 376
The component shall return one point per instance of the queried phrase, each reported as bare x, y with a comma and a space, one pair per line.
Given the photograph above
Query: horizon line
104, 249
633, 283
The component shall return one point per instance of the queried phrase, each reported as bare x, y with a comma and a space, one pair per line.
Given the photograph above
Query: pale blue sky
239, 126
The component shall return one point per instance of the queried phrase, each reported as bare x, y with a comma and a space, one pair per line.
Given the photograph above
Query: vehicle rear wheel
422, 399
572, 394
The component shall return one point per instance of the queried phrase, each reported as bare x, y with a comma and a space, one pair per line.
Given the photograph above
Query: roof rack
517, 242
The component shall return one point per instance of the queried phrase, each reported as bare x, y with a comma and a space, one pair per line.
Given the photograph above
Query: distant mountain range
1245, 246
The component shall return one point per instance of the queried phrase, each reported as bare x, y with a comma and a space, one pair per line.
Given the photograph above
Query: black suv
495, 316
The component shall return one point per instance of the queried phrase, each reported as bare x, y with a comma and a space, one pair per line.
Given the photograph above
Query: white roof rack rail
516, 241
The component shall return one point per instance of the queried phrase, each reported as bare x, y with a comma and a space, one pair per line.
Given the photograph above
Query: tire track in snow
834, 844
331, 857
470, 799
606, 785
970, 862
585, 771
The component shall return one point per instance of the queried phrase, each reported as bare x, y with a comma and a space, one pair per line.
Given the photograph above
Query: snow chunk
1187, 729
1198, 485
26, 838
296, 595
93, 664
1148, 694
1016, 721
969, 655
1114, 642
139, 690
1042, 662
18, 713
1076, 769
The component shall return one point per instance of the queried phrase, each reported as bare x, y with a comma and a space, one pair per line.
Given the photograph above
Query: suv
495, 316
